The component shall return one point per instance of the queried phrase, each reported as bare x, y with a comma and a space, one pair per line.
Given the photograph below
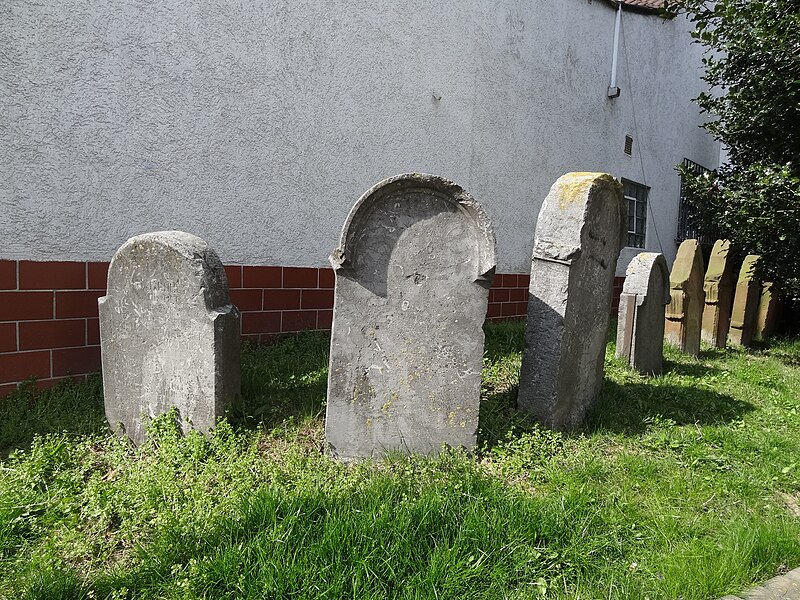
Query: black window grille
687, 226
636, 195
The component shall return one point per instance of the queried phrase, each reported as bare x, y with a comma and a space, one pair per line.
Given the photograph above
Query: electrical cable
638, 141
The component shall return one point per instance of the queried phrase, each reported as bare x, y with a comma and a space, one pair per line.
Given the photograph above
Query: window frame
636, 238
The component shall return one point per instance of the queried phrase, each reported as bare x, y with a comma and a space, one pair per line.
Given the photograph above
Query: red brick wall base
49, 327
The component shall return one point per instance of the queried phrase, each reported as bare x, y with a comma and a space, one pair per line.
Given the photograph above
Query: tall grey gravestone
640, 327
169, 335
579, 233
413, 268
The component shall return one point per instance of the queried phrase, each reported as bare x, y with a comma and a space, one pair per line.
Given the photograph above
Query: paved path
783, 587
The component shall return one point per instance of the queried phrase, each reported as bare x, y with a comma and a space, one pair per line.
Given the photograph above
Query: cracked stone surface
169, 336
413, 270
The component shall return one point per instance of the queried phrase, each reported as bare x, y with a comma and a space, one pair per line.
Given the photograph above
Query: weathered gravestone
579, 233
745, 304
413, 269
640, 326
718, 286
169, 335
684, 313
768, 308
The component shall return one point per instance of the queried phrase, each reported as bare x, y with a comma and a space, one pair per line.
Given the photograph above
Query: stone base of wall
49, 328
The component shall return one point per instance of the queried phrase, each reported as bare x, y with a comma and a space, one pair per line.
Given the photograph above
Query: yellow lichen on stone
572, 187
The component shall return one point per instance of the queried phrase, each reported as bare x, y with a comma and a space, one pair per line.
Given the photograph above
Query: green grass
680, 486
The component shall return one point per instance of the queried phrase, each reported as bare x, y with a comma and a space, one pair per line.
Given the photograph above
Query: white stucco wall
257, 125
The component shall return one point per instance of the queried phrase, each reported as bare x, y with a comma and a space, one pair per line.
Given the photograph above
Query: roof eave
637, 8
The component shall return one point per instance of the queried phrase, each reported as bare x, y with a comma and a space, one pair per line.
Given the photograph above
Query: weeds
681, 486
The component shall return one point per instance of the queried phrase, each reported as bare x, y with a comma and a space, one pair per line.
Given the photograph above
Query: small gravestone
169, 335
684, 312
745, 304
579, 233
718, 286
640, 327
768, 307
413, 269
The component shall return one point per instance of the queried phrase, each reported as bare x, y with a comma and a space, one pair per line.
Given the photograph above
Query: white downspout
613, 90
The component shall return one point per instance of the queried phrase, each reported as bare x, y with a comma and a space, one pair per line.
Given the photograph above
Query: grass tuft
684, 485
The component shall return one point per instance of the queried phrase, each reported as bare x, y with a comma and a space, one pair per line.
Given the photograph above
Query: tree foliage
752, 67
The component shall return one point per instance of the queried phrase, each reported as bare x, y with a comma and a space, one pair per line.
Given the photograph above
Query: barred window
687, 229
636, 195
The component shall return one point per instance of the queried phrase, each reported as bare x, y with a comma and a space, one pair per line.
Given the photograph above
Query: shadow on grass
281, 381
500, 382
628, 408
74, 407
786, 350
498, 416
284, 380
693, 369
710, 353
503, 339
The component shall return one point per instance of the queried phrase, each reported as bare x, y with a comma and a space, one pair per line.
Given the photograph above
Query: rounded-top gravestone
413, 268
640, 326
169, 335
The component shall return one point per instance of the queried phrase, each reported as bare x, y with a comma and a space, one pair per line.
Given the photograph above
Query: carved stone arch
404, 184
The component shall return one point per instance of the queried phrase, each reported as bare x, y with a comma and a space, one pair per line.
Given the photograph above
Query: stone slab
684, 314
640, 323
768, 309
579, 233
169, 335
413, 268
745, 304
718, 285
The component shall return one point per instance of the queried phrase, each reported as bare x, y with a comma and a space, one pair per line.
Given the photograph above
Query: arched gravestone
413, 268
684, 313
745, 304
169, 335
579, 233
640, 327
718, 286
